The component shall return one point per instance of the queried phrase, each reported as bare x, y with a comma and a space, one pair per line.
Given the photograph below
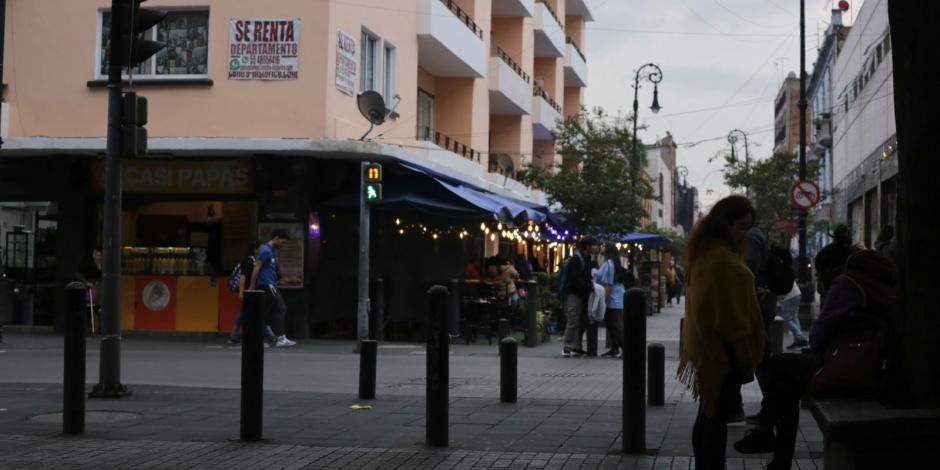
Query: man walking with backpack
265, 276
576, 287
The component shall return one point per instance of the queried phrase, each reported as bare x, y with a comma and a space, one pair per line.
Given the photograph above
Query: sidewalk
568, 414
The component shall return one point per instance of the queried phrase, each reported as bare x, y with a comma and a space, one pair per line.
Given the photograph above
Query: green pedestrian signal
373, 192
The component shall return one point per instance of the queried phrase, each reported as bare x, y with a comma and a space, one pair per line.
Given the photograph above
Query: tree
916, 101
769, 182
594, 186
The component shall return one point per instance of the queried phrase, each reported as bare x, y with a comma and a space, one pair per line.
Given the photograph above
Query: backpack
778, 274
562, 279
234, 280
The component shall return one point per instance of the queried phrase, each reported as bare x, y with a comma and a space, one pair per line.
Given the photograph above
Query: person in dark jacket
576, 287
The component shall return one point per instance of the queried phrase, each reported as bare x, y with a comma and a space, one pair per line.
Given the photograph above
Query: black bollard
592, 338
378, 310
503, 328
368, 352
656, 382
438, 370
508, 367
453, 307
73, 383
531, 320
681, 325
252, 365
634, 375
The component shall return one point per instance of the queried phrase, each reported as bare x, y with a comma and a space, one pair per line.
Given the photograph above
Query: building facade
820, 94
787, 116
663, 176
864, 137
254, 125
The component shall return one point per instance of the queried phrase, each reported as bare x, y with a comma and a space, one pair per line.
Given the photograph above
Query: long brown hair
715, 227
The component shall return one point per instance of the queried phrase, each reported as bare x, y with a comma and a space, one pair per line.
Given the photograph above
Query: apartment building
787, 116
663, 176
864, 135
254, 125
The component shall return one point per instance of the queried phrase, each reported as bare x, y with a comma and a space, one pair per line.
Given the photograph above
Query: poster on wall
290, 257
347, 63
263, 49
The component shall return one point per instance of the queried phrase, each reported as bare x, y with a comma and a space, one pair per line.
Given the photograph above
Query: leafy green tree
594, 186
769, 182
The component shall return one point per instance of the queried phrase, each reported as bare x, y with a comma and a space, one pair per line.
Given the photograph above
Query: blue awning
647, 239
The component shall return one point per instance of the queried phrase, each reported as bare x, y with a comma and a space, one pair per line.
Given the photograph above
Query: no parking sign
805, 194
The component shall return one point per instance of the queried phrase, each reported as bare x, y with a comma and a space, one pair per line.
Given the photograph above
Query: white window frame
389, 64
149, 76
376, 61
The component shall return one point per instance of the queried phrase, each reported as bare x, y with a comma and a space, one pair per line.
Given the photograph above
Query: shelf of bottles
162, 261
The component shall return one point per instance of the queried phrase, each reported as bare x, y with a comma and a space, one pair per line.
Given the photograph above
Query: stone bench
863, 434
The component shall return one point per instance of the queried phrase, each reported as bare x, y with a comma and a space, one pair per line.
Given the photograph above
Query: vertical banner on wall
290, 257
346, 63
263, 49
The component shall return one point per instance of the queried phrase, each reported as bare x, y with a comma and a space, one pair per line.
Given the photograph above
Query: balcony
576, 72
509, 86
450, 44
514, 8
427, 134
578, 8
549, 32
545, 114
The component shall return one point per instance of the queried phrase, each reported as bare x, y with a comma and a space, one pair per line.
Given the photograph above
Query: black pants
276, 310
613, 318
786, 379
710, 435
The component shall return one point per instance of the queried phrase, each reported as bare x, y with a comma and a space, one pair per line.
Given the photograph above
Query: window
369, 62
425, 115
186, 34
389, 84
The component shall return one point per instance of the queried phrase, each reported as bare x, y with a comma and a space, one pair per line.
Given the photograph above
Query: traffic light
133, 120
372, 182
130, 22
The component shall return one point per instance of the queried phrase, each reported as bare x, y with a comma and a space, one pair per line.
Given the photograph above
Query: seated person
503, 274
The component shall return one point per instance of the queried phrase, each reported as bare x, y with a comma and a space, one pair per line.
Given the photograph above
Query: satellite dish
506, 165
372, 107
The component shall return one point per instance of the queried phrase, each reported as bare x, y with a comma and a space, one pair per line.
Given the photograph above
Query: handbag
522, 292
854, 363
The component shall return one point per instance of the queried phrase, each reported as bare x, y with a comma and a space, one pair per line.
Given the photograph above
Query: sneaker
799, 343
565, 352
737, 417
283, 342
577, 351
756, 441
234, 341
611, 353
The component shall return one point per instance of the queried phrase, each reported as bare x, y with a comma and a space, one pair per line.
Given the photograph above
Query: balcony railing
552, 12
539, 91
575, 45
464, 17
428, 134
511, 63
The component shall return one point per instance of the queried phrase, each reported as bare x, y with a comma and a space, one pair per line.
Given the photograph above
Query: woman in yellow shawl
723, 335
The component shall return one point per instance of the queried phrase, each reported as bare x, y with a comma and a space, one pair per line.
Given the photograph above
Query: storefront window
186, 35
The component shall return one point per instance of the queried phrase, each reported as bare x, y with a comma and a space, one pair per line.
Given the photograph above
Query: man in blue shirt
264, 277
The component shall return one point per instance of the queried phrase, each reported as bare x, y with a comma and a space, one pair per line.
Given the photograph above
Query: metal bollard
508, 369
454, 307
252, 365
368, 352
592, 339
503, 328
438, 369
655, 367
681, 325
776, 336
378, 310
634, 375
73, 380
531, 320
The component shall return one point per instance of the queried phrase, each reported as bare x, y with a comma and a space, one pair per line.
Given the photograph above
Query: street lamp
733, 139
653, 74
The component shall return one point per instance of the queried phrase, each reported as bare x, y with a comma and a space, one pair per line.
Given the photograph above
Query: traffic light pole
109, 381
362, 318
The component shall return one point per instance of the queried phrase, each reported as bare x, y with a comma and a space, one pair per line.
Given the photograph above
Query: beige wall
575, 28
573, 100
507, 34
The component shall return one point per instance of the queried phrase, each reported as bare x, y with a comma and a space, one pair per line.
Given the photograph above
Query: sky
722, 62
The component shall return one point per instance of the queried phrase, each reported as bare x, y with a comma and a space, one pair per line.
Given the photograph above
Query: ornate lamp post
733, 139
653, 74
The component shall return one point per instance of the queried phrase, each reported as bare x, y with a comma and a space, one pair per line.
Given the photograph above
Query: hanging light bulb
401, 231
499, 226
397, 221
461, 235
492, 237
482, 226
434, 236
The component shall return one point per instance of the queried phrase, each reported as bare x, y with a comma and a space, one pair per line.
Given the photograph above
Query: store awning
650, 240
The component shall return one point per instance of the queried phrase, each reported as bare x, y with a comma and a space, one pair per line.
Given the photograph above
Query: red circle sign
805, 194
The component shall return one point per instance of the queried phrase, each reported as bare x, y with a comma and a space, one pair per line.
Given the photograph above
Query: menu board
290, 257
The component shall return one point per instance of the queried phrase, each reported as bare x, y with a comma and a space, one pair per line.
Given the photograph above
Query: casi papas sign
263, 49
182, 177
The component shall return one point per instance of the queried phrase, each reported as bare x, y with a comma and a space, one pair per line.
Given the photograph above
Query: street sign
805, 194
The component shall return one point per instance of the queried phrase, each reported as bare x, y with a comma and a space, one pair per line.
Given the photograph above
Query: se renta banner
263, 49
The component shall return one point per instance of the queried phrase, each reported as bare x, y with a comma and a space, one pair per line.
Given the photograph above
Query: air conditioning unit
823, 131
